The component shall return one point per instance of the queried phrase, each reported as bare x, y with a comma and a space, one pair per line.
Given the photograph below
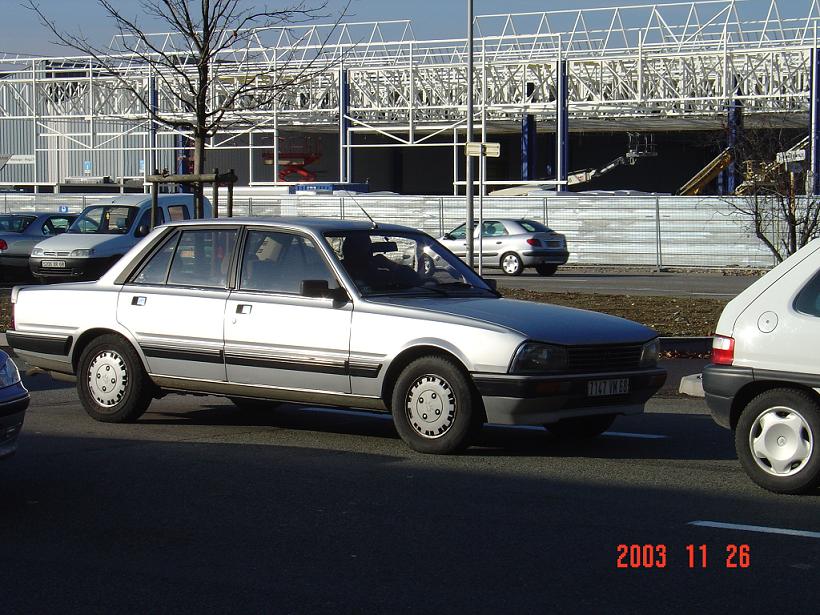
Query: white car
330, 312
764, 380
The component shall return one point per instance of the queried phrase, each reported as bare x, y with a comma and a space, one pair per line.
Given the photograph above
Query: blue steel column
562, 124
528, 137
727, 180
344, 124
153, 100
815, 122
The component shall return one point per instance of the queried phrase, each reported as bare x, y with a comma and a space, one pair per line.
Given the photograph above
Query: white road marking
755, 528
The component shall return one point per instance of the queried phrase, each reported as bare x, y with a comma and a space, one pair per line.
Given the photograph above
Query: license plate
599, 388
56, 264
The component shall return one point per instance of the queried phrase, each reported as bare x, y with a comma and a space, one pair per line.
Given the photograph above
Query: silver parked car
331, 312
20, 232
513, 245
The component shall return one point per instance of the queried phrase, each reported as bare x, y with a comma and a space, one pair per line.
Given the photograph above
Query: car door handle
498, 243
138, 300
243, 308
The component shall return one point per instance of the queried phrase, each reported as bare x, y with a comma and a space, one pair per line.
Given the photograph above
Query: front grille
53, 253
604, 358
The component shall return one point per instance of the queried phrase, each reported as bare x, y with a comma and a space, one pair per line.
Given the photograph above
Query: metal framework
649, 67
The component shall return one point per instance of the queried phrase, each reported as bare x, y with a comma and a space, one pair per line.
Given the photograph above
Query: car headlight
82, 253
650, 352
9, 373
37, 252
533, 357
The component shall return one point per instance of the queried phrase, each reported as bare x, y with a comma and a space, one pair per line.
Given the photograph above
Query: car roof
37, 214
317, 225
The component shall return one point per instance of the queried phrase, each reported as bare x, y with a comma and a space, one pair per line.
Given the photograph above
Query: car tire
546, 269
582, 427
434, 406
511, 264
111, 381
776, 440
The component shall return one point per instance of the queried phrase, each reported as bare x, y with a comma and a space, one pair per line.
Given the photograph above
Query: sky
21, 32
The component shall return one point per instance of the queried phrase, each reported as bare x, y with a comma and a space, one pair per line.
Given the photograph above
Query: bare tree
772, 196
204, 33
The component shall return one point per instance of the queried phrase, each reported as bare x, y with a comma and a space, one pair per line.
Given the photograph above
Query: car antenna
369, 217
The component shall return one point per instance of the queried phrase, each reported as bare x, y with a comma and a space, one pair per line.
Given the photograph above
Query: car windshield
106, 220
15, 224
404, 263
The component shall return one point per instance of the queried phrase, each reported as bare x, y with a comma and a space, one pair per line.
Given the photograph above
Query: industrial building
647, 98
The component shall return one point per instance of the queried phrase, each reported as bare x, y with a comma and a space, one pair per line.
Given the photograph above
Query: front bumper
14, 400
720, 385
544, 257
74, 269
540, 400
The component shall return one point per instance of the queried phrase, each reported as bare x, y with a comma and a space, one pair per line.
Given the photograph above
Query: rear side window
178, 212
531, 226
202, 258
808, 299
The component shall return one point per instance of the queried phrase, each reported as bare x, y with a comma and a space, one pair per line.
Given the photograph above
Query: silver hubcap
107, 378
510, 263
781, 441
431, 406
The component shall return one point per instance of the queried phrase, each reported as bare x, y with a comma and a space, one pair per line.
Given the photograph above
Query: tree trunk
199, 169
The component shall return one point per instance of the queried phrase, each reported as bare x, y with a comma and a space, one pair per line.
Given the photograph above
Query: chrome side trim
304, 396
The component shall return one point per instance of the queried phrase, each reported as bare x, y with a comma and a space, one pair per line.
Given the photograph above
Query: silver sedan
20, 232
513, 245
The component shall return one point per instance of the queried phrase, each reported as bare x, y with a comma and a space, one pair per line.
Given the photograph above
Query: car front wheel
582, 427
512, 264
433, 406
776, 441
111, 382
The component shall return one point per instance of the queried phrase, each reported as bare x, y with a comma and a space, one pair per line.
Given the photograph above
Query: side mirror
493, 284
319, 289
447, 236
142, 231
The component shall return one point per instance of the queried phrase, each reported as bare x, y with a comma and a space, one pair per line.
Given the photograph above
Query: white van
103, 233
764, 380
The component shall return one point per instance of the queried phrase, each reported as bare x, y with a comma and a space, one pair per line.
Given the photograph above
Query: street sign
86, 167
491, 150
795, 155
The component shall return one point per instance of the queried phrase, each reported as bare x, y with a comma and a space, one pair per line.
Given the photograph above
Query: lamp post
469, 159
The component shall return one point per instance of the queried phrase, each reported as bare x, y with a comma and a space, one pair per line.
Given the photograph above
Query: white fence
663, 231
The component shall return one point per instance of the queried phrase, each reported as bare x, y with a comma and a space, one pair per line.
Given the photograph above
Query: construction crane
702, 178
758, 174
640, 146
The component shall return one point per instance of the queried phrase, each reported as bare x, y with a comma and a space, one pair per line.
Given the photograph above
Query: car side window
808, 299
155, 270
279, 262
494, 229
178, 212
459, 232
145, 221
56, 225
202, 258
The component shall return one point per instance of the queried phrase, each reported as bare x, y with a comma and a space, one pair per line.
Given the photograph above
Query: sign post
481, 151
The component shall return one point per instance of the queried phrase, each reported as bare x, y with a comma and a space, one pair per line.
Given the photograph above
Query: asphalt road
201, 508
673, 284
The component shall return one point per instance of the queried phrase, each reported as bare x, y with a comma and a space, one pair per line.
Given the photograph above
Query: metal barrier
658, 231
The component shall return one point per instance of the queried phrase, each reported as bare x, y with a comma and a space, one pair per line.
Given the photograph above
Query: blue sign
87, 167
142, 167
63, 209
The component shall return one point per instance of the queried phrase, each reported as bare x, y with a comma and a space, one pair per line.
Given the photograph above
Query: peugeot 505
329, 312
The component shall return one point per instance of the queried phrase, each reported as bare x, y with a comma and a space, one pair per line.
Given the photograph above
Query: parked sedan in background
20, 232
14, 400
513, 245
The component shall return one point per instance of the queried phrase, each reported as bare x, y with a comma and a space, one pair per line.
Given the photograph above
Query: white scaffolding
644, 67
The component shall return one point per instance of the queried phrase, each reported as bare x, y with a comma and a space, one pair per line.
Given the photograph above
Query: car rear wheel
546, 269
512, 264
111, 381
433, 406
581, 428
777, 438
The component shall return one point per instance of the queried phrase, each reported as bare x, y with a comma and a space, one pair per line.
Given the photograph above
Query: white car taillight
723, 350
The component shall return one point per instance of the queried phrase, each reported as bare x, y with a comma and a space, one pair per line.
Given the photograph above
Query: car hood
536, 321
103, 244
